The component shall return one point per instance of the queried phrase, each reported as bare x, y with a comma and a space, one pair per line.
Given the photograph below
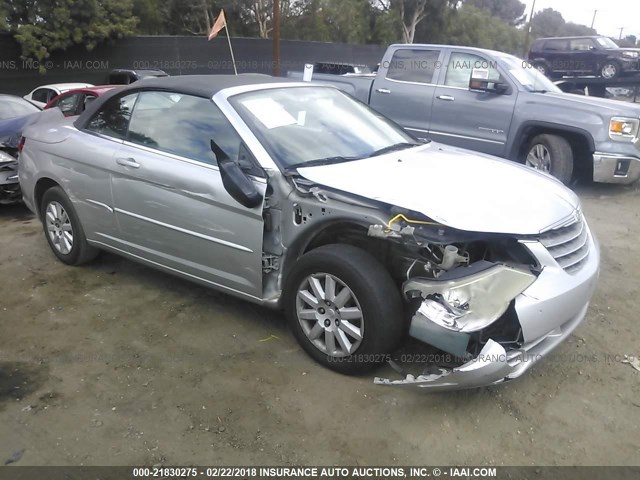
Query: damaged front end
463, 290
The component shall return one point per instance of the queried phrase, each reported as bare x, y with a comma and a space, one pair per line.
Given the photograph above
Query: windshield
606, 42
12, 107
528, 76
303, 124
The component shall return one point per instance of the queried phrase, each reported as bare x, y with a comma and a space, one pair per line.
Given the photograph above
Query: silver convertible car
299, 197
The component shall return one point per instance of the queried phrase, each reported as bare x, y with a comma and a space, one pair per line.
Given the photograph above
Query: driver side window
461, 65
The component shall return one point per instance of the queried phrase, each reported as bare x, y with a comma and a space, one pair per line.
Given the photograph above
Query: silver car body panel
183, 221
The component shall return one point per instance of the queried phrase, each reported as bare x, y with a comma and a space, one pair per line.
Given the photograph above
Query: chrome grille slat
562, 235
568, 245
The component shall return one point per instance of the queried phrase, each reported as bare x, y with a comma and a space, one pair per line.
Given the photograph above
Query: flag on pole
220, 23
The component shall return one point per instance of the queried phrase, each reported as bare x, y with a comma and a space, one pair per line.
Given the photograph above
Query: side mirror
480, 82
235, 182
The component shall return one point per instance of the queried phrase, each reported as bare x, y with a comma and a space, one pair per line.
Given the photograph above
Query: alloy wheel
330, 315
539, 158
59, 228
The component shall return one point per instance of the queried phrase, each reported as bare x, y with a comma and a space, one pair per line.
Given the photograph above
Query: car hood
458, 188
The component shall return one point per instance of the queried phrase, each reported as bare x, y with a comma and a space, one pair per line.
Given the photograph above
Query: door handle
128, 162
386, 91
446, 98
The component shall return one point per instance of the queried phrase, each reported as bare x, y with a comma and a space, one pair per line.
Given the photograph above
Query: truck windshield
528, 76
317, 124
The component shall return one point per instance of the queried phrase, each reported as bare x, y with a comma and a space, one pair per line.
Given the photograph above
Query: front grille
568, 245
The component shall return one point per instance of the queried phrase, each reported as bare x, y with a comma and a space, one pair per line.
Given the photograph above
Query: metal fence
176, 55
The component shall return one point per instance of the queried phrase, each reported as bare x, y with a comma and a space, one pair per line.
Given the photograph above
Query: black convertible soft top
199, 85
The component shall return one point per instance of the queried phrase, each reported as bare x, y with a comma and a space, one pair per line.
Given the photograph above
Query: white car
42, 95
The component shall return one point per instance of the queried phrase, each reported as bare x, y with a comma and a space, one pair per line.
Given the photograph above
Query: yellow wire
400, 216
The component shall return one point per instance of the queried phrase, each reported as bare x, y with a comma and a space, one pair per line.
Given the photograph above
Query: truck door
470, 119
403, 89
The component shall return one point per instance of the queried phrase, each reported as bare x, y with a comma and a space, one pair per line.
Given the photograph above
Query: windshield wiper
320, 162
393, 148
539, 91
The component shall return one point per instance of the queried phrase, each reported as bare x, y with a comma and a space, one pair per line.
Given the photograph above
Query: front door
475, 120
171, 205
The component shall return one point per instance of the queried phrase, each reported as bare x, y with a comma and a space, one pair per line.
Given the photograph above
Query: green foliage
41, 27
510, 11
476, 27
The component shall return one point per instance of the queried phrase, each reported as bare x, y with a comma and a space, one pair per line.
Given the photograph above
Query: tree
550, 23
258, 12
42, 27
472, 26
151, 15
510, 11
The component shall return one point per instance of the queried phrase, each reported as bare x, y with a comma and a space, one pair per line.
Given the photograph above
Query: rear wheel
552, 154
63, 230
343, 308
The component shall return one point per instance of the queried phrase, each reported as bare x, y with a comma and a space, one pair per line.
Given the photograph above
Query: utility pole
276, 38
621, 30
526, 42
593, 22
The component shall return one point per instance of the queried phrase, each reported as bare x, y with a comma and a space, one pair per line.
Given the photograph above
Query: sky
612, 14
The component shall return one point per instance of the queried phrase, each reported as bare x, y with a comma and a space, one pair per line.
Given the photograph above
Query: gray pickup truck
498, 104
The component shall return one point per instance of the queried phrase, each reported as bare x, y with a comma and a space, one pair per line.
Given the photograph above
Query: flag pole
233, 58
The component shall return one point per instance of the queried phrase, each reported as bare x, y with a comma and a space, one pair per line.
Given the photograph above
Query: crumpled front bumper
548, 312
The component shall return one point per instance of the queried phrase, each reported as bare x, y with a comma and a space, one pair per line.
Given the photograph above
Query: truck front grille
568, 245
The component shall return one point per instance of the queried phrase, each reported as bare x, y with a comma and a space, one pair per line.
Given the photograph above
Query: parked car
74, 102
496, 103
42, 95
596, 55
123, 76
15, 113
298, 197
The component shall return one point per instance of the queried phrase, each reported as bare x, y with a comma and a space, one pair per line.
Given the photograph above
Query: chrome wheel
59, 228
539, 158
610, 70
330, 315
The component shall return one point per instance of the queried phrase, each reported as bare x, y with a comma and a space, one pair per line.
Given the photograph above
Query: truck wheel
551, 154
610, 70
63, 230
344, 308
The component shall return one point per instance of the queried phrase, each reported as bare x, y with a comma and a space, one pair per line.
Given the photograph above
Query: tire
611, 69
559, 161
371, 290
63, 229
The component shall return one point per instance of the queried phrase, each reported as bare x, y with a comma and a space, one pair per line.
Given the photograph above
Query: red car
75, 101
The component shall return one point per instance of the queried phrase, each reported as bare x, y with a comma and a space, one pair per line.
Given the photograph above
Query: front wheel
551, 154
343, 308
610, 70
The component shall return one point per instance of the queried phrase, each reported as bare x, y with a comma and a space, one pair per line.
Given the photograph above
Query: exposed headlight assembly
623, 129
471, 302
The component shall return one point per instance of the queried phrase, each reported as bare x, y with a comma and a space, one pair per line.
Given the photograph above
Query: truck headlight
630, 54
622, 129
472, 302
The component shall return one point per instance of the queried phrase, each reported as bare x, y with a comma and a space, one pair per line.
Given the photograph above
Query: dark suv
599, 56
